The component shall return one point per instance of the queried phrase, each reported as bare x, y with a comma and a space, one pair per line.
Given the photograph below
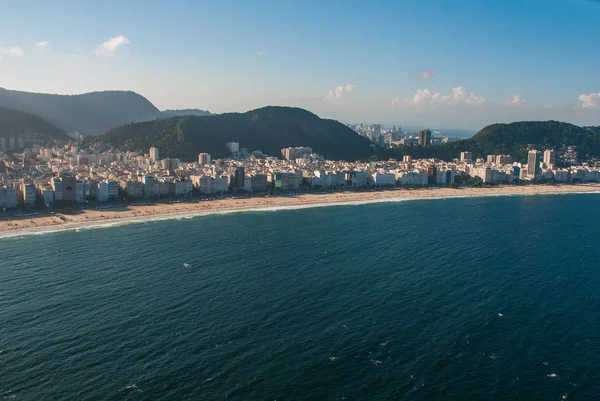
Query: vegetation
268, 129
513, 139
28, 126
595, 130
184, 112
89, 113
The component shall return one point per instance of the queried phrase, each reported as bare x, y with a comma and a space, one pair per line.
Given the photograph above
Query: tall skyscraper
466, 156
397, 134
69, 186
503, 159
425, 138
239, 177
297, 152
203, 159
549, 157
431, 175
233, 147
534, 158
153, 154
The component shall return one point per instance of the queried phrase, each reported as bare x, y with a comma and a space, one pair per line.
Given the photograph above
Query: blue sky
438, 63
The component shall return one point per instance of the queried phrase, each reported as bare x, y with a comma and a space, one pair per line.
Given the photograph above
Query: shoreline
94, 218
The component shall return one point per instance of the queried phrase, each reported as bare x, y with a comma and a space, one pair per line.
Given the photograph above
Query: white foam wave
102, 224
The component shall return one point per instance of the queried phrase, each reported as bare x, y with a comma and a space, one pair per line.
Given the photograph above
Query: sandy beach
14, 226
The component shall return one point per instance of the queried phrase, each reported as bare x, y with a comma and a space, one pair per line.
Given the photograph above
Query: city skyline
460, 64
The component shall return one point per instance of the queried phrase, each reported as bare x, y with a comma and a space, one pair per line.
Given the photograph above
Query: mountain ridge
88, 113
268, 129
184, 112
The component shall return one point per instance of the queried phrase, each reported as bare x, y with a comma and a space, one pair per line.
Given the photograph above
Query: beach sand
11, 226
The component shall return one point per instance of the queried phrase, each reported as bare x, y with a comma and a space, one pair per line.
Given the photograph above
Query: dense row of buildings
540, 166
48, 176
12, 143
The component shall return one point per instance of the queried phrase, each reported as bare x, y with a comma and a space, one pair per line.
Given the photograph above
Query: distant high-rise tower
203, 158
153, 154
549, 157
466, 156
233, 147
239, 177
534, 159
431, 175
425, 138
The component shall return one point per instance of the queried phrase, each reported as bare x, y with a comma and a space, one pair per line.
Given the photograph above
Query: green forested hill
28, 126
513, 139
268, 129
184, 112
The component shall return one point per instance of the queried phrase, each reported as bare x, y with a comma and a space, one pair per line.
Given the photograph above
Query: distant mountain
595, 130
89, 113
268, 129
513, 139
185, 112
28, 126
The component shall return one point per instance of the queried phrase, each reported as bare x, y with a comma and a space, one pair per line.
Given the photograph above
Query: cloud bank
424, 97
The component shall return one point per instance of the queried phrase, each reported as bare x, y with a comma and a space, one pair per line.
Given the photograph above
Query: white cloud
337, 92
11, 51
426, 75
42, 43
109, 47
458, 96
589, 101
517, 99
261, 53
421, 97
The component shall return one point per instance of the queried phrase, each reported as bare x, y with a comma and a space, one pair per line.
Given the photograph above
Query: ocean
457, 299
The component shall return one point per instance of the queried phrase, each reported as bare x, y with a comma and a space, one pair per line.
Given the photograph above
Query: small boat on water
186, 265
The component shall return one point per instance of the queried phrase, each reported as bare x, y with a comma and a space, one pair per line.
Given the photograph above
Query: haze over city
450, 64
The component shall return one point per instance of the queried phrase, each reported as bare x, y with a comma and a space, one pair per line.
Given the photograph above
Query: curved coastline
116, 217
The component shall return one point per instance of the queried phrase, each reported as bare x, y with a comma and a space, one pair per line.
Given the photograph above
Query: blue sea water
458, 299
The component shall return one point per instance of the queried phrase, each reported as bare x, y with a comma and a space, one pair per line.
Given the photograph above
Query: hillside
185, 112
29, 126
89, 113
513, 139
268, 129
595, 130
